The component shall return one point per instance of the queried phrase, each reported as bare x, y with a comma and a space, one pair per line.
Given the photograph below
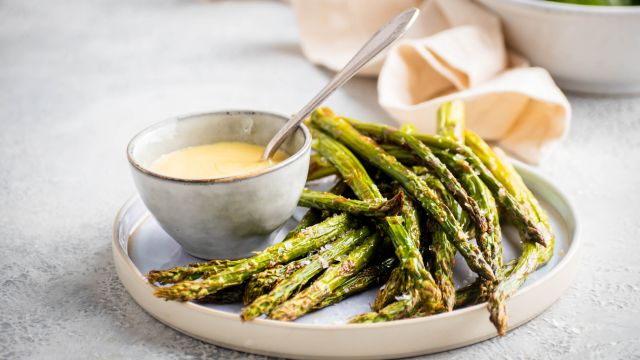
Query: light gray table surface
79, 78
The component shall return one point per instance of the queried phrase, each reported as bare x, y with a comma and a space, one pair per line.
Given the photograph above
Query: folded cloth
455, 50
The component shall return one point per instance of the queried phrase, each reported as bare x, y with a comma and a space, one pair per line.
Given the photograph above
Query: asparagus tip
168, 293
498, 313
395, 203
540, 235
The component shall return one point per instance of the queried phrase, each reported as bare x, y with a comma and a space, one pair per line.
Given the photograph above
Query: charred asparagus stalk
533, 255
319, 167
489, 243
299, 245
501, 168
370, 150
360, 282
521, 218
374, 208
314, 216
441, 248
263, 282
443, 260
527, 197
397, 282
421, 283
265, 303
310, 218
411, 220
330, 280
440, 170
451, 125
478, 291
398, 298
403, 308
406, 249
349, 167
189, 272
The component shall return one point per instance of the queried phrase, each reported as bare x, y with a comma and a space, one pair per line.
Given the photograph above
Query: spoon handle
384, 37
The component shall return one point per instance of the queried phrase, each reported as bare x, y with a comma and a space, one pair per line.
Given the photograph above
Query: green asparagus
330, 280
371, 151
319, 167
428, 295
411, 219
297, 246
189, 272
533, 255
441, 248
450, 121
403, 308
263, 282
439, 169
477, 291
406, 249
360, 282
349, 167
523, 220
374, 208
451, 126
489, 243
396, 283
287, 287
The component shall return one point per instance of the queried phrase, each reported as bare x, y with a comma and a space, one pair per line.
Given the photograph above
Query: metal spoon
384, 37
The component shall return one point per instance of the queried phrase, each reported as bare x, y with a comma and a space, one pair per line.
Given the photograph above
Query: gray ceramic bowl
228, 217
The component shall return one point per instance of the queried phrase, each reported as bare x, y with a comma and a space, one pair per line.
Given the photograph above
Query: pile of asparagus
404, 205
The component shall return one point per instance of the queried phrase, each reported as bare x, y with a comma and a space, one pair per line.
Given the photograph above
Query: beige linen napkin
455, 50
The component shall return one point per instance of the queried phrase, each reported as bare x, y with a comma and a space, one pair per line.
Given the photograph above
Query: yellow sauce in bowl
213, 161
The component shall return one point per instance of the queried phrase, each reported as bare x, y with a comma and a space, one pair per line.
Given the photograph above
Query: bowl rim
575, 8
227, 179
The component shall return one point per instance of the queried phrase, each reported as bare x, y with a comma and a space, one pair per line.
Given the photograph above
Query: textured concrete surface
79, 78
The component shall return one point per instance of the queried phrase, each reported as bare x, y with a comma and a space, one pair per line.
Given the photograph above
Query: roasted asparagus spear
368, 149
287, 287
189, 272
297, 246
521, 218
330, 280
365, 279
406, 249
337, 203
533, 255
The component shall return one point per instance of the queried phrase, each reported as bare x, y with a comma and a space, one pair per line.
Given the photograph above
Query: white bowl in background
594, 49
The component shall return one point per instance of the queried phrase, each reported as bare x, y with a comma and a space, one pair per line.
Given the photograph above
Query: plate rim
567, 258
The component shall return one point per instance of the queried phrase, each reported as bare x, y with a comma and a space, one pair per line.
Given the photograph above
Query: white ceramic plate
140, 245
